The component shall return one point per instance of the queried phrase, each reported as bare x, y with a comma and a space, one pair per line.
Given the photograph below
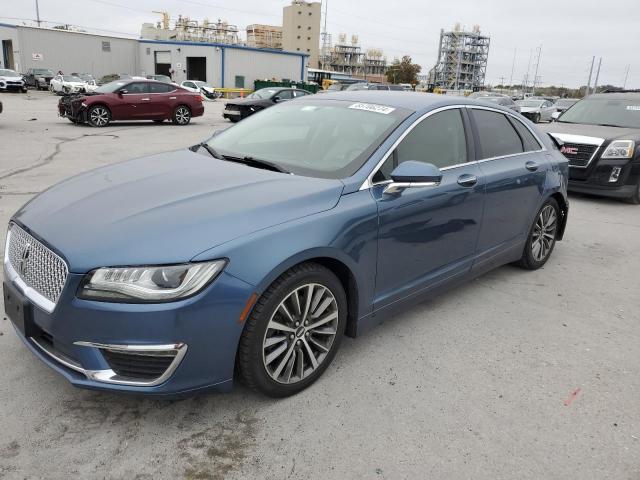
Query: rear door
514, 166
428, 235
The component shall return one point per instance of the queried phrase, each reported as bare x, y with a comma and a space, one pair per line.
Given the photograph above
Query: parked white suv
11, 80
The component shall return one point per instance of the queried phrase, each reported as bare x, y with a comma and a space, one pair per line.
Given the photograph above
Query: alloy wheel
99, 116
544, 233
300, 333
182, 115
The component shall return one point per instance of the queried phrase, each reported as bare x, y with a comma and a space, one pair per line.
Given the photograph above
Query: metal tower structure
462, 60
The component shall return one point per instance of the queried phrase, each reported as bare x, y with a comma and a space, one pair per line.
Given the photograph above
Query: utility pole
513, 65
502, 81
595, 85
526, 83
324, 37
626, 76
593, 60
535, 75
37, 13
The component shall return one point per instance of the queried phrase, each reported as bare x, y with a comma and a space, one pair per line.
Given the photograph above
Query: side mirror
413, 174
276, 99
122, 92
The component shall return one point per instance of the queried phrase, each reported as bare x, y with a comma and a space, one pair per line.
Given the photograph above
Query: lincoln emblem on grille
24, 258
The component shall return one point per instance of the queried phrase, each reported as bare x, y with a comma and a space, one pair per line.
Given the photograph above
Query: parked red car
132, 100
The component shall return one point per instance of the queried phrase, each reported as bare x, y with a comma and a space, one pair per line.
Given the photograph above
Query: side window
189, 85
285, 95
160, 87
497, 136
438, 139
299, 93
528, 140
137, 87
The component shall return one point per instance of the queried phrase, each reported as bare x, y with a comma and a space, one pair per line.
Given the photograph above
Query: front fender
347, 233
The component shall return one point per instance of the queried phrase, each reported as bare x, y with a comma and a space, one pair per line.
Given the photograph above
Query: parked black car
240, 108
374, 86
600, 136
38, 78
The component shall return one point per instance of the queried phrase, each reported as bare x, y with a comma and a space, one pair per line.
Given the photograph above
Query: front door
428, 235
134, 103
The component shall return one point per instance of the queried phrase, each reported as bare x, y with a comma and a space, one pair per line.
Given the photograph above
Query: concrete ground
527, 375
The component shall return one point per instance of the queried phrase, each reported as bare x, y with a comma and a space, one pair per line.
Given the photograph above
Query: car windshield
498, 100
42, 71
565, 103
8, 73
530, 103
71, 78
327, 139
619, 112
263, 93
111, 87
201, 84
335, 86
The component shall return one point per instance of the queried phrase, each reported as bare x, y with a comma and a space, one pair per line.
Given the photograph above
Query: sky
569, 32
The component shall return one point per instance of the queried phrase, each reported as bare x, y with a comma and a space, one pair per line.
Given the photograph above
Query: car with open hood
239, 108
198, 86
536, 109
252, 253
132, 100
600, 137
10, 80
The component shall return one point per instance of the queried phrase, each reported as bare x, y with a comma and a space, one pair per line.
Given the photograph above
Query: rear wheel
98, 116
294, 331
542, 236
536, 118
181, 115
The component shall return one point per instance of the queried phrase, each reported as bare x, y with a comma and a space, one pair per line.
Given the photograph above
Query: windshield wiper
257, 162
609, 125
209, 149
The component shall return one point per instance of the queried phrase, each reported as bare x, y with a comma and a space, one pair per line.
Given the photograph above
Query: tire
284, 360
539, 245
98, 116
536, 118
181, 115
635, 198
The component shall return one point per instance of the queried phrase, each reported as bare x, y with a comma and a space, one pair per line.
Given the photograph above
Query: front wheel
542, 236
536, 118
294, 331
635, 198
98, 116
181, 115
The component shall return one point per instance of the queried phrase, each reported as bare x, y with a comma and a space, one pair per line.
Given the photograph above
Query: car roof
617, 95
415, 101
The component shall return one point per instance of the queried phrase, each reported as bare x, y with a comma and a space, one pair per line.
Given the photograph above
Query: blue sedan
252, 254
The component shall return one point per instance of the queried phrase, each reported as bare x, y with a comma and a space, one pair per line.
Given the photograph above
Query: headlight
164, 283
84, 105
619, 149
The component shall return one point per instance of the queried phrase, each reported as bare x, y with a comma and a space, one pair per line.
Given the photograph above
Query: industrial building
221, 64
301, 29
462, 60
264, 36
349, 58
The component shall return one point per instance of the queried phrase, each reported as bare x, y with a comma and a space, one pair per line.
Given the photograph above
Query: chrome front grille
35, 264
579, 155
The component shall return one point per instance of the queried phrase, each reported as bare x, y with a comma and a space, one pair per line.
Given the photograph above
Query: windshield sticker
370, 107
633, 107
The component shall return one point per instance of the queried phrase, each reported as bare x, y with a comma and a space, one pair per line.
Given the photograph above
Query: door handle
467, 180
531, 166
144, 99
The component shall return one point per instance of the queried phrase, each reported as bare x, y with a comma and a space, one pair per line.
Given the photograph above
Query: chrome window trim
580, 139
368, 183
32, 294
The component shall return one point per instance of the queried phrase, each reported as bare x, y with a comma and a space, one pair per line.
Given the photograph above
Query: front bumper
606, 178
82, 339
12, 86
621, 191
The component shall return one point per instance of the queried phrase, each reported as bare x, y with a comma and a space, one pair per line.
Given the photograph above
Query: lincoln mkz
252, 254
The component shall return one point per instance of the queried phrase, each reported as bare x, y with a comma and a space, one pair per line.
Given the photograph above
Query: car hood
597, 131
167, 208
248, 101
